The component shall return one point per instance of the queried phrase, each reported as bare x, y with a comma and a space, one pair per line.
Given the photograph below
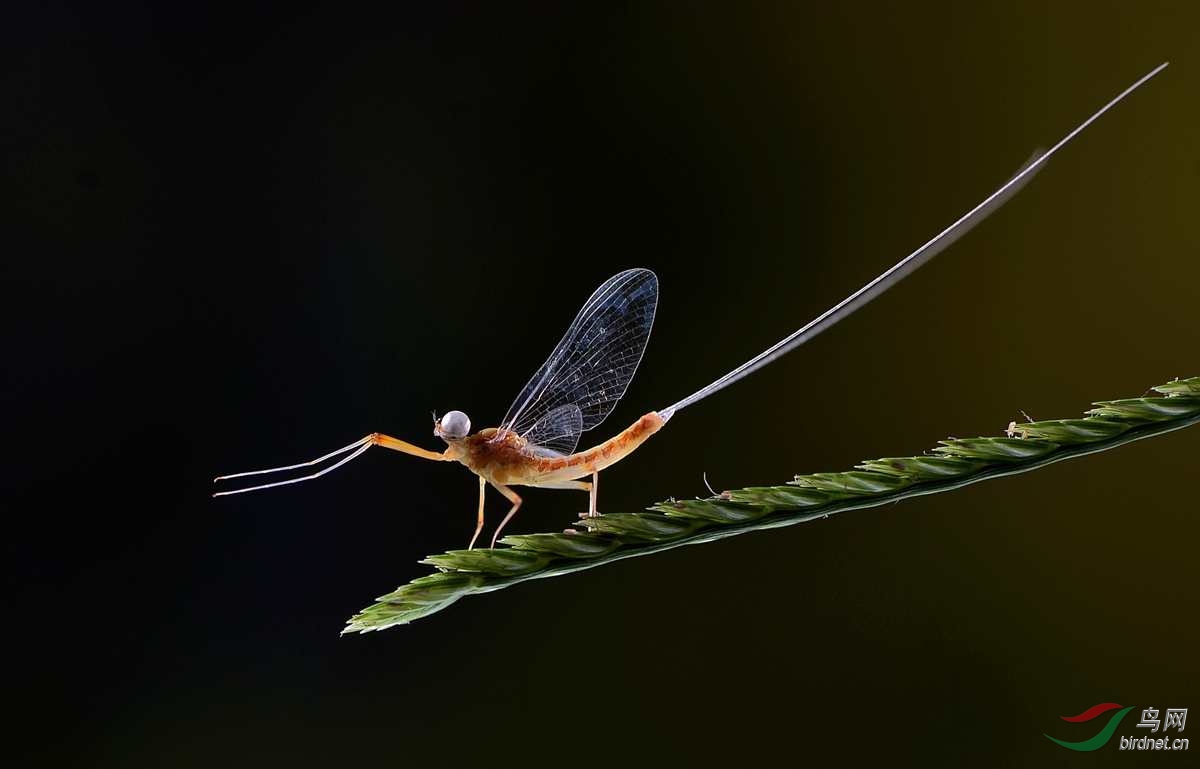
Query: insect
588, 372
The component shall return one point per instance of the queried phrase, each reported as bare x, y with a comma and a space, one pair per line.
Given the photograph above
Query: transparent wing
557, 433
592, 366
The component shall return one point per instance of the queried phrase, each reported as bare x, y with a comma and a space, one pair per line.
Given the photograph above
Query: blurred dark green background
243, 236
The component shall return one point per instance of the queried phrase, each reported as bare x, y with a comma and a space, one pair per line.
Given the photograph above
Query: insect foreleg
356, 448
395, 444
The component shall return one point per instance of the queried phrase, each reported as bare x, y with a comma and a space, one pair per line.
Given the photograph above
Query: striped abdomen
505, 461
583, 463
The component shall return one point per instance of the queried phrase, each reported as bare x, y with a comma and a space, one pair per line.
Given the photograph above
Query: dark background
242, 236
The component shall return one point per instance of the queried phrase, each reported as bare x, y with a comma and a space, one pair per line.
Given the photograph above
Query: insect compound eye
455, 424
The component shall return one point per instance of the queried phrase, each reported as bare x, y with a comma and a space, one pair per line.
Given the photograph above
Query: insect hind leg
590, 488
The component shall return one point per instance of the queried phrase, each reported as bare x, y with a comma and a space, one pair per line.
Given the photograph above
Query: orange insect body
506, 459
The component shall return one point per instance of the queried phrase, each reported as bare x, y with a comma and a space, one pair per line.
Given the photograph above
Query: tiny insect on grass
591, 367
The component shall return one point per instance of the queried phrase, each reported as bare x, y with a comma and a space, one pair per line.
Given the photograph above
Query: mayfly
588, 372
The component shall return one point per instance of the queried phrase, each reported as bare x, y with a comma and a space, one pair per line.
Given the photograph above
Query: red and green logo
1104, 735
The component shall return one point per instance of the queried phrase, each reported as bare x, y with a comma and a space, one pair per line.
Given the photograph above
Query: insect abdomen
599, 457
